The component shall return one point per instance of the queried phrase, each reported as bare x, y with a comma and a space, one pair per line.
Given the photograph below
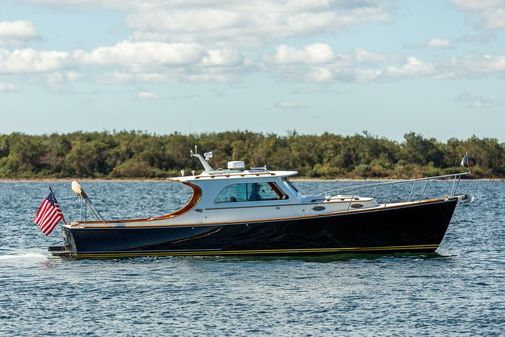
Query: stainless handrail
456, 176
360, 186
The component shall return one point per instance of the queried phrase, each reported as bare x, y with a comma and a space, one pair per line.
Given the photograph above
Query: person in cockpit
255, 193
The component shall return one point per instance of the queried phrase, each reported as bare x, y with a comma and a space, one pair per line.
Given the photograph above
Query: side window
233, 193
250, 192
265, 192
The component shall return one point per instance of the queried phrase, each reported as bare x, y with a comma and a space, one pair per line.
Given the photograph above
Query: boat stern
67, 249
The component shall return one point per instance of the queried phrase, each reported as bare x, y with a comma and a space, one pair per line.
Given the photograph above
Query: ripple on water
458, 291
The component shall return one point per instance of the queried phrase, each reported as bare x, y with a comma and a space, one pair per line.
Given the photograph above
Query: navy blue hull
413, 228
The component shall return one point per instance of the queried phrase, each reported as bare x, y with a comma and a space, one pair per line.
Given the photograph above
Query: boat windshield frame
290, 184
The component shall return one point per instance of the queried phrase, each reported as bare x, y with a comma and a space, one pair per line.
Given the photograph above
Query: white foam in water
24, 255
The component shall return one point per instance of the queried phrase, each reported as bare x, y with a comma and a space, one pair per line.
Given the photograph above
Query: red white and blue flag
49, 214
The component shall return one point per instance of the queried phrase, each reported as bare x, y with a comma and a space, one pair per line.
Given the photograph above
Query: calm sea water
459, 291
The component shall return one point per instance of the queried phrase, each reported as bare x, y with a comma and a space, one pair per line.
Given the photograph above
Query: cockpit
256, 191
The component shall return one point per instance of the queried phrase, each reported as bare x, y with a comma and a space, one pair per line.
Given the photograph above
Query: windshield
250, 192
290, 184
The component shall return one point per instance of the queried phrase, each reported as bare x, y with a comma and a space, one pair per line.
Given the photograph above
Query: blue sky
389, 67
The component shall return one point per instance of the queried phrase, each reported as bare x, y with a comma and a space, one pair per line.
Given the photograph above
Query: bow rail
456, 177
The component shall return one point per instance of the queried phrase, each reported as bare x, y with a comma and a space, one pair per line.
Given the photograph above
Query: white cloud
142, 54
248, 23
479, 65
326, 66
314, 62
115, 77
117, 4
463, 67
288, 105
223, 57
15, 32
62, 81
163, 62
148, 95
477, 5
368, 74
184, 74
58, 79
320, 74
160, 57
365, 66
230, 22
364, 56
310, 63
313, 53
412, 68
491, 12
496, 18
177, 19
160, 62
7, 87
475, 101
197, 40
480, 104
21, 61
439, 43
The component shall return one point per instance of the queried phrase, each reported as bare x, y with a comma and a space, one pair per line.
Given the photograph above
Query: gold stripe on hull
254, 252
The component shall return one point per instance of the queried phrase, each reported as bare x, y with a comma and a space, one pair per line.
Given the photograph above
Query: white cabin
244, 195
237, 195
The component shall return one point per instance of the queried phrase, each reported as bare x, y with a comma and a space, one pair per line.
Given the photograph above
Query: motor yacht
239, 211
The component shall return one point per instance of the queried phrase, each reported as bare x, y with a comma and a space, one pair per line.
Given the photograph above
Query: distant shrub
134, 154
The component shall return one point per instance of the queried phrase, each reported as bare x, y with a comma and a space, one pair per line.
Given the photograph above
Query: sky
313, 66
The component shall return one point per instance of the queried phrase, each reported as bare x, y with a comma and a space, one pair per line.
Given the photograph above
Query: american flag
48, 215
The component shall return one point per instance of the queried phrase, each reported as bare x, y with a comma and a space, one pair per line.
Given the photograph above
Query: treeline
133, 154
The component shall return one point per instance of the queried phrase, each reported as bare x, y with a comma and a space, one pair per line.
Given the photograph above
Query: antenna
203, 161
194, 152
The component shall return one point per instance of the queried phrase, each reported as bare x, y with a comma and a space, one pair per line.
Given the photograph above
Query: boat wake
25, 255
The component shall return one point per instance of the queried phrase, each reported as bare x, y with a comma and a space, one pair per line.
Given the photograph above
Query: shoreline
301, 179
